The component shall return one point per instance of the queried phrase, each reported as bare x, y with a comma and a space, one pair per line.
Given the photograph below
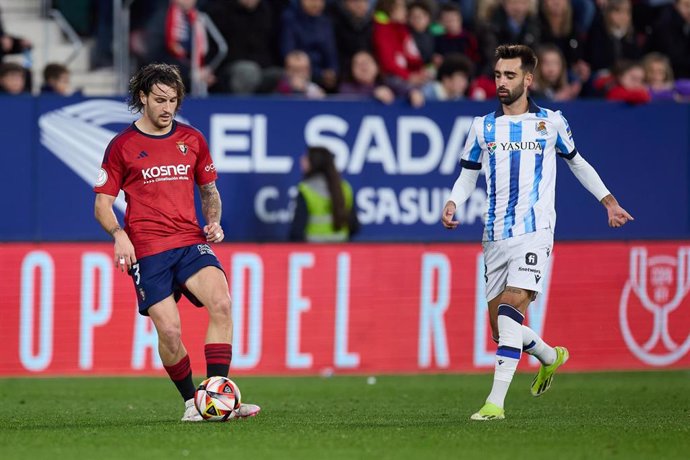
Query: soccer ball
217, 398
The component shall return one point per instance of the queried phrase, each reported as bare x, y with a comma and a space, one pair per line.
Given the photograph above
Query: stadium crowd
624, 50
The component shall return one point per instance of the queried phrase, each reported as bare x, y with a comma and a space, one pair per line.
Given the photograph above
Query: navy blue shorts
156, 277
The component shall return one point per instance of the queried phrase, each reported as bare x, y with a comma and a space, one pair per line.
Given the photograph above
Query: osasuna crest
182, 147
540, 127
652, 306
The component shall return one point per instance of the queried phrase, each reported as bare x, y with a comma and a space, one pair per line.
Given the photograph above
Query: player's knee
221, 307
170, 337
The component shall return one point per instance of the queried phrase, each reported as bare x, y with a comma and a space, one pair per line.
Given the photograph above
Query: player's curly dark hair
321, 161
149, 76
527, 57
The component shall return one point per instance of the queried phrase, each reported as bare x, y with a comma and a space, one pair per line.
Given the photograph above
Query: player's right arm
124, 250
470, 161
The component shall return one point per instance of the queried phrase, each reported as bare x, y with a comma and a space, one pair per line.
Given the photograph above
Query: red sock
218, 357
181, 375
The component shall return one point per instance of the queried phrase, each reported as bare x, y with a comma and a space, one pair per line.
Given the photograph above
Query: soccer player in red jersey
156, 161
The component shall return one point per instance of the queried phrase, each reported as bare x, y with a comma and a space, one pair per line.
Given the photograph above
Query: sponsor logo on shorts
531, 258
205, 249
528, 269
142, 293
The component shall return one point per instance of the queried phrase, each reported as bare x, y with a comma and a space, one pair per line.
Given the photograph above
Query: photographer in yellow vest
324, 211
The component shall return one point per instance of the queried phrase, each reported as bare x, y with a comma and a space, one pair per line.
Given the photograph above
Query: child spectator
307, 28
419, 20
628, 83
455, 38
352, 26
296, 79
12, 78
671, 36
452, 79
551, 79
394, 48
660, 82
365, 80
56, 80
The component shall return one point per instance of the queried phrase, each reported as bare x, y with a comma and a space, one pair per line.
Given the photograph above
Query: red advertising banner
370, 308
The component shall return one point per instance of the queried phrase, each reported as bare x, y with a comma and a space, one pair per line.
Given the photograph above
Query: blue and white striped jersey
518, 156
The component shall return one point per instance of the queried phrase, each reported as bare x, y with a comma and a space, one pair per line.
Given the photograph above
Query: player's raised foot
489, 411
247, 410
191, 414
542, 382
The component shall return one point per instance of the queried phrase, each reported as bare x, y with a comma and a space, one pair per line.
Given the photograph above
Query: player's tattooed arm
210, 202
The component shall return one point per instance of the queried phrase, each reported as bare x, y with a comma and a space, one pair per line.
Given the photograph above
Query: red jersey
157, 174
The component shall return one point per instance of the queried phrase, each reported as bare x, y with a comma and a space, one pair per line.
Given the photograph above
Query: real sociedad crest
182, 147
656, 288
540, 127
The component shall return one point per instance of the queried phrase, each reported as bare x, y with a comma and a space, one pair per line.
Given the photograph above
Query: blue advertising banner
402, 163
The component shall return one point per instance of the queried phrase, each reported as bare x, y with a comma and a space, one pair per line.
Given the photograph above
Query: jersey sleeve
204, 171
471, 157
565, 146
111, 175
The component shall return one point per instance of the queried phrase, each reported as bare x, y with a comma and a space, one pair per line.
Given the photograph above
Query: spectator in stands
551, 80
251, 64
628, 83
511, 21
305, 27
364, 79
394, 48
419, 21
325, 210
296, 79
516, 22
671, 36
352, 26
660, 82
56, 80
455, 38
613, 38
557, 27
10, 44
452, 79
12, 78
172, 35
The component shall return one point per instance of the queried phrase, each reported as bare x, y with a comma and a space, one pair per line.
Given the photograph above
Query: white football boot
246, 410
191, 414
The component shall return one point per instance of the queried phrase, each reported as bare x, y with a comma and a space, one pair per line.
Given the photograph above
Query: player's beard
513, 95
156, 120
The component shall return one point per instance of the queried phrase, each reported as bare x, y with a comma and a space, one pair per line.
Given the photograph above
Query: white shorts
518, 261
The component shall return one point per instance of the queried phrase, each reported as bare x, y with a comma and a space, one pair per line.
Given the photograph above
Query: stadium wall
401, 161
357, 308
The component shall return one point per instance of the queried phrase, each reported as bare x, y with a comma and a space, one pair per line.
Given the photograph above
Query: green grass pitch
583, 416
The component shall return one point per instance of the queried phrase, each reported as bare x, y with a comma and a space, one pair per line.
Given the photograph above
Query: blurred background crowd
422, 50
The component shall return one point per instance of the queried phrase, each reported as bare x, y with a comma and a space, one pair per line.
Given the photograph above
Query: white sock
533, 345
508, 353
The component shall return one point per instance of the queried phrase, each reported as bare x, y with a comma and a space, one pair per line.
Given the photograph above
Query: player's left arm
211, 209
587, 175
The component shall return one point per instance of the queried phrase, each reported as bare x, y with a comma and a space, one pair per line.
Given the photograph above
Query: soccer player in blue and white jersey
516, 147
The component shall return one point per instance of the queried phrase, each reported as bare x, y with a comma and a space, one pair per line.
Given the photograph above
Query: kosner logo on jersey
659, 284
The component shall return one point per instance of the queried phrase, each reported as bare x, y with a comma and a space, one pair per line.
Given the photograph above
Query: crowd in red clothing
419, 50
614, 49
